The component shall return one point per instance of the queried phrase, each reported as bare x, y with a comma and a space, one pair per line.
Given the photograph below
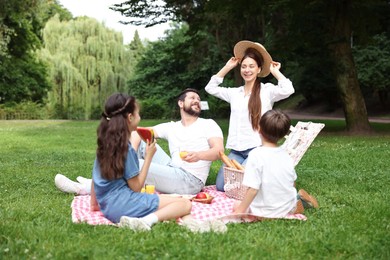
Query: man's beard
190, 111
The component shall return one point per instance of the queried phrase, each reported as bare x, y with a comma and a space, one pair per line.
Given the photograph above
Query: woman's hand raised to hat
275, 65
230, 64
275, 70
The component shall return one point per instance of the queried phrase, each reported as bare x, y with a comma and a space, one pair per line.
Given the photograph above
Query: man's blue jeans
167, 178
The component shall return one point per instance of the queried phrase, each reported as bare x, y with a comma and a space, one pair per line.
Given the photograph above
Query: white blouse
241, 136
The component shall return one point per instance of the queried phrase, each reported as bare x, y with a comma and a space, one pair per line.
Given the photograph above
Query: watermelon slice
146, 134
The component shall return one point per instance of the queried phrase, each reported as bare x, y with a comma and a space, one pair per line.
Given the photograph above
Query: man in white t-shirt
201, 140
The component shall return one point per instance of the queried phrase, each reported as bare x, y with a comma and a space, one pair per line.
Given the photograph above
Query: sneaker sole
217, 226
135, 224
195, 226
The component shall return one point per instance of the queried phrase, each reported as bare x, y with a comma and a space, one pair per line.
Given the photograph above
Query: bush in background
24, 110
153, 108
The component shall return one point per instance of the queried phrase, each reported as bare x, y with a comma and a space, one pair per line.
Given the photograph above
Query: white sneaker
196, 226
83, 180
214, 225
64, 184
135, 224
218, 226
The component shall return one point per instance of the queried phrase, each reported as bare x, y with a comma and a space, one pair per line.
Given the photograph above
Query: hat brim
242, 46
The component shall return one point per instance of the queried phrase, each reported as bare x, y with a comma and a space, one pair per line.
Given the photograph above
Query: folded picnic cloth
220, 208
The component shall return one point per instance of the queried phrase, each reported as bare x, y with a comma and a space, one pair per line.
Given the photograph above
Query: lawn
349, 175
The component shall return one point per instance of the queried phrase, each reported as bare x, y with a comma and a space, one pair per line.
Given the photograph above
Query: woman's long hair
254, 103
113, 135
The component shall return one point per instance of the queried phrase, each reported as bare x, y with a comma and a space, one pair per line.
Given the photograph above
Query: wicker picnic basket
233, 183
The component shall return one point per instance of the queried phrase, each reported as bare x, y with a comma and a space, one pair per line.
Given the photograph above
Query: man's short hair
183, 94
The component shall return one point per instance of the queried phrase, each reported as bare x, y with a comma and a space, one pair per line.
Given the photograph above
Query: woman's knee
188, 206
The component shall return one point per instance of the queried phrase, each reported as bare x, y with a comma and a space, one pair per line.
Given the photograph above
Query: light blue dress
116, 199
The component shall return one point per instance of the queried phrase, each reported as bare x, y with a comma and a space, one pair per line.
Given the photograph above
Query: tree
161, 74
136, 49
346, 77
315, 44
373, 64
320, 35
170, 65
22, 76
88, 62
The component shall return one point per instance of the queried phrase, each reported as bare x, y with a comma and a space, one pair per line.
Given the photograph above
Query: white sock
150, 219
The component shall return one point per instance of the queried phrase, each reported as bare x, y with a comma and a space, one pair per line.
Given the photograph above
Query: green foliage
23, 110
299, 42
167, 76
136, 50
136, 47
217, 108
154, 108
22, 77
5, 38
87, 61
52, 8
22, 19
373, 64
348, 175
146, 12
173, 64
296, 33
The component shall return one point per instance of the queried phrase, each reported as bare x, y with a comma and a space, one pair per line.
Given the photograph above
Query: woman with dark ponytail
117, 178
250, 101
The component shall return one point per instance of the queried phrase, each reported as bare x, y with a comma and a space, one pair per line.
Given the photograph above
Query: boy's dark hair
183, 94
274, 125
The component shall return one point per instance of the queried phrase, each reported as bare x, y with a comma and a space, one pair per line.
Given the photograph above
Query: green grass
348, 174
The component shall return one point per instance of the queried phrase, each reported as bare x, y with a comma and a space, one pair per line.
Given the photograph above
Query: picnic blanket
220, 208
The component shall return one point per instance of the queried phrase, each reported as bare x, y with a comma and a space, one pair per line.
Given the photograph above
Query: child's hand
150, 148
95, 207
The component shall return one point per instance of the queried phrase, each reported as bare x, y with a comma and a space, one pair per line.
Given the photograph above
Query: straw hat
242, 46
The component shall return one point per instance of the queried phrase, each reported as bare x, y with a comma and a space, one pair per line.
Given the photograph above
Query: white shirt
270, 170
191, 138
241, 135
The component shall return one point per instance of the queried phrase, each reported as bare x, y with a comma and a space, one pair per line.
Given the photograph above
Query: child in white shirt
270, 175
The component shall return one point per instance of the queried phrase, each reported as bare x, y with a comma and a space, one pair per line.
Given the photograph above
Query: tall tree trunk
346, 77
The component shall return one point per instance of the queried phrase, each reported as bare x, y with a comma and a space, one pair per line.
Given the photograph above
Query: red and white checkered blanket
221, 207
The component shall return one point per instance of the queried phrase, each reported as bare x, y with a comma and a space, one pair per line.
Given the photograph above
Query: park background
55, 66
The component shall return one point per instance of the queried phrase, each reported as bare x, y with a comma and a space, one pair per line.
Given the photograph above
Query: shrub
24, 110
153, 108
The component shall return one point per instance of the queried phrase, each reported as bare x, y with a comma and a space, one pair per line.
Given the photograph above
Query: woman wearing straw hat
250, 101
